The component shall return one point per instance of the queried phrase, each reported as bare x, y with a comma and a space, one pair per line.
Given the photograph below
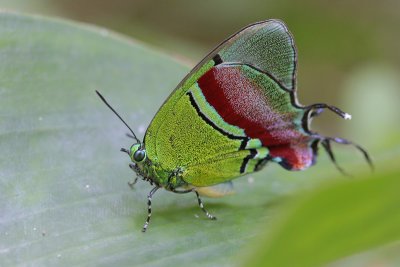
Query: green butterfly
234, 112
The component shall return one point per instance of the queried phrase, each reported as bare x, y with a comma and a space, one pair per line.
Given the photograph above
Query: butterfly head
136, 152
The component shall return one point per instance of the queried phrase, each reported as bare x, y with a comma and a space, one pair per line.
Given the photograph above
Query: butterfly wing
233, 111
266, 45
264, 109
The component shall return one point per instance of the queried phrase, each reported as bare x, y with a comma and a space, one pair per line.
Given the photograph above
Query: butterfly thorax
169, 179
152, 172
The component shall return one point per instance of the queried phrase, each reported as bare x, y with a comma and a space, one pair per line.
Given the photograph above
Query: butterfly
235, 112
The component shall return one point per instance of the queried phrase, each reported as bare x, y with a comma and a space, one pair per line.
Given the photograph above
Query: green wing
225, 167
267, 45
188, 134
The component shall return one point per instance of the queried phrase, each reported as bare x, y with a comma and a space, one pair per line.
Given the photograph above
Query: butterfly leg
132, 183
146, 224
209, 216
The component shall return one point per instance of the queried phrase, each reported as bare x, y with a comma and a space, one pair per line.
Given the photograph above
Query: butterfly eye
139, 155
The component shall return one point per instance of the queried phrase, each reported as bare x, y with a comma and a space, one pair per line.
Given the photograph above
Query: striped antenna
113, 110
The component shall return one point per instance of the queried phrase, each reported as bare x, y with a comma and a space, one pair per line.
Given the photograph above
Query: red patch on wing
240, 102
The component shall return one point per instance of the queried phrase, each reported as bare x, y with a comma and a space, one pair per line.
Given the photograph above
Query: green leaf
64, 198
334, 222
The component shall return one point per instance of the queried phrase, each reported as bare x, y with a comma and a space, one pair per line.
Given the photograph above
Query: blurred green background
348, 57
348, 50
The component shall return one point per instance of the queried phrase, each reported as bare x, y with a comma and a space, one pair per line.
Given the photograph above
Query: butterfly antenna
113, 110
